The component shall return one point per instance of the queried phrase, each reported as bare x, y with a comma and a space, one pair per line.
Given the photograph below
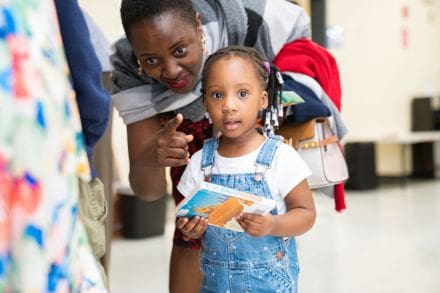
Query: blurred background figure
94, 108
43, 244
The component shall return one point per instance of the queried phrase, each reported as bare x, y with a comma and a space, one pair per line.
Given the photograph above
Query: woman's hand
256, 225
172, 145
152, 146
192, 228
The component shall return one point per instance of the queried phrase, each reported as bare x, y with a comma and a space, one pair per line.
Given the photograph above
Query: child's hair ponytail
274, 111
268, 74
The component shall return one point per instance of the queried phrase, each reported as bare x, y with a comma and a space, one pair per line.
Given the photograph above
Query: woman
157, 75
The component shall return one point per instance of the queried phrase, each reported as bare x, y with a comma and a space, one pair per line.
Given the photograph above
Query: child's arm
298, 219
191, 178
192, 228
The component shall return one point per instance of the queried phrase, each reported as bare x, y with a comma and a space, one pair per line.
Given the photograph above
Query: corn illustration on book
221, 205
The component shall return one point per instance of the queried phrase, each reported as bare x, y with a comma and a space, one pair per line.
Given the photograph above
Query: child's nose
229, 104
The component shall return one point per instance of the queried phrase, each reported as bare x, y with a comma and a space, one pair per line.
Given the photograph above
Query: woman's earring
140, 71
208, 117
203, 41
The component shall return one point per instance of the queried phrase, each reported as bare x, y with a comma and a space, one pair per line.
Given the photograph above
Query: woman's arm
298, 219
151, 148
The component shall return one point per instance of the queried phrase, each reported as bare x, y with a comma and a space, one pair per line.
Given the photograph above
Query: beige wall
106, 15
379, 76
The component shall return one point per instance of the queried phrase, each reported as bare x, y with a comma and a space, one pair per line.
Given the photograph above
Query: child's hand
256, 225
193, 228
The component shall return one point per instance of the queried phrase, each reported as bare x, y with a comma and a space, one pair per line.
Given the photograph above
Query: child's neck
240, 146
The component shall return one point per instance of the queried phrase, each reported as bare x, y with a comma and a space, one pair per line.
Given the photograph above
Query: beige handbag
319, 147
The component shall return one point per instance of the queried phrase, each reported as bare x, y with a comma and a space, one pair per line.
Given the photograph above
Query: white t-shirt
287, 170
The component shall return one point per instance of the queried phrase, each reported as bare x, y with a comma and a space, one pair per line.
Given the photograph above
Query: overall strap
208, 152
268, 150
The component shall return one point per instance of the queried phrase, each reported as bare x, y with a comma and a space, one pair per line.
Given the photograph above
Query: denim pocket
212, 279
271, 279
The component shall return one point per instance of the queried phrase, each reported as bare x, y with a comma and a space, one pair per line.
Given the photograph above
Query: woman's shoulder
125, 68
123, 59
122, 51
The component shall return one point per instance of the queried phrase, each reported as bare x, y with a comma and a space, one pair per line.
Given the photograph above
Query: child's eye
180, 51
151, 61
243, 94
217, 95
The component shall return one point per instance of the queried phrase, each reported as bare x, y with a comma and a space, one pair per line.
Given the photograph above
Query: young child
237, 86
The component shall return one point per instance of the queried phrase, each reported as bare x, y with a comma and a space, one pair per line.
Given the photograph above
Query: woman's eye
217, 95
180, 51
243, 94
151, 61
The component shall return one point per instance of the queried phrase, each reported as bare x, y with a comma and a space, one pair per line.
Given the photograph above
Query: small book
222, 204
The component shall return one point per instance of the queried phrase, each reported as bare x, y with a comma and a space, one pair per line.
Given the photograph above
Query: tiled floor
388, 240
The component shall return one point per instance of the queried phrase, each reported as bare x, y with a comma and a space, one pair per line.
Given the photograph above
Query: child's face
233, 96
169, 50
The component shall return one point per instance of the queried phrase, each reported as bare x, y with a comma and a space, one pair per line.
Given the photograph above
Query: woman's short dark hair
134, 11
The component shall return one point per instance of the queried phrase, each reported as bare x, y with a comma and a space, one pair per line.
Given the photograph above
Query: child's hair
268, 74
134, 11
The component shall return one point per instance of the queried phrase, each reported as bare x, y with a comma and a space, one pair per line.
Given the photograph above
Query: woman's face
169, 50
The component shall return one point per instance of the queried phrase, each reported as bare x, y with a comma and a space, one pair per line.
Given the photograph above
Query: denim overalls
237, 262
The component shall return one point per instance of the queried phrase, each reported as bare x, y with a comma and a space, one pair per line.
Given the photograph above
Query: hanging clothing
43, 245
309, 58
86, 72
312, 107
339, 127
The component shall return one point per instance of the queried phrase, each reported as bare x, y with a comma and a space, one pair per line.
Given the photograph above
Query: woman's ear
264, 101
199, 22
